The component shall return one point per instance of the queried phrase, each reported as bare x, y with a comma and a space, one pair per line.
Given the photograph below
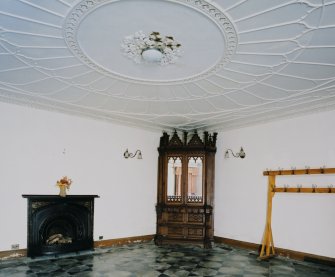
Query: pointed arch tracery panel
174, 180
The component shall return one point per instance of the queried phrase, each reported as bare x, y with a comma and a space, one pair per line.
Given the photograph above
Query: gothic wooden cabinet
186, 189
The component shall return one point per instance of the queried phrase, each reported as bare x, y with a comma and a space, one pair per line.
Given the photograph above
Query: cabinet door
195, 179
174, 189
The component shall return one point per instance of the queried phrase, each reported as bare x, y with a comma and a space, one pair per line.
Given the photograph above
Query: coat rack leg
268, 249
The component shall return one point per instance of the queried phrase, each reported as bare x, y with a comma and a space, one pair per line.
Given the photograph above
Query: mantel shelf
56, 196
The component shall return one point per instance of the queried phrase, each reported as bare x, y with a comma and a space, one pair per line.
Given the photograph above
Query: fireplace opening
59, 224
58, 239
59, 231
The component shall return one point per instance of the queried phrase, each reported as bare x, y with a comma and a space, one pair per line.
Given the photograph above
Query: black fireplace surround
59, 225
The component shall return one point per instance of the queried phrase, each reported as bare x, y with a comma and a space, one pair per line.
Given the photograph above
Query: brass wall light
240, 154
127, 155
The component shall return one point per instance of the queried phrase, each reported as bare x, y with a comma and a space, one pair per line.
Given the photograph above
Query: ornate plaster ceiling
243, 62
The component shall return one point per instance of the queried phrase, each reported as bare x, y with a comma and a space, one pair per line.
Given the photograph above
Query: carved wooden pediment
208, 143
175, 140
195, 141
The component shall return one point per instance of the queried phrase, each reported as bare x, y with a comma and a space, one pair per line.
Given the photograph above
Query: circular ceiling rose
208, 37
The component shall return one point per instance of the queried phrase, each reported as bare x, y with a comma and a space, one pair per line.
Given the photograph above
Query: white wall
303, 223
32, 160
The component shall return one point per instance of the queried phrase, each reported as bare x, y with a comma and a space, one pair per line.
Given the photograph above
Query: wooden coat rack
268, 249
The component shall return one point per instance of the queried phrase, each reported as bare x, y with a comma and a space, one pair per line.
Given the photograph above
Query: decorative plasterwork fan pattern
282, 65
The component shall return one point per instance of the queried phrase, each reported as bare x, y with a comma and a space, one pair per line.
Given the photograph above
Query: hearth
59, 224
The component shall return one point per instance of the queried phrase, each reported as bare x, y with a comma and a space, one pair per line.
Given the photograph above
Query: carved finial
185, 138
164, 141
214, 138
206, 138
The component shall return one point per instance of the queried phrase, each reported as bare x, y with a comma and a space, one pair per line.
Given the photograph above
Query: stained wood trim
237, 243
299, 171
122, 241
305, 190
11, 254
292, 254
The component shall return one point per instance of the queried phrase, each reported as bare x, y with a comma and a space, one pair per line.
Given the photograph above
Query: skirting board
122, 241
295, 255
11, 254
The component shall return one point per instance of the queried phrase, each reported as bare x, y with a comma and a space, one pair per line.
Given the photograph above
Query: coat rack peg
307, 169
299, 188
314, 187
293, 170
286, 187
330, 187
322, 169
279, 170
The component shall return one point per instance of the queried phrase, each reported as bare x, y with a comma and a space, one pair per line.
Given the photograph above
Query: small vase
62, 191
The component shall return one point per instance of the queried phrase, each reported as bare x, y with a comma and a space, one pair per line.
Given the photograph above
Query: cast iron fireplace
59, 224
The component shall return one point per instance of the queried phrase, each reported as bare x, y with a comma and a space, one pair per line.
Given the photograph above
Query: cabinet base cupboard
185, 192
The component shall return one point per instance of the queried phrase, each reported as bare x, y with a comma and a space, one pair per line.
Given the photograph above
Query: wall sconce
240, 154
127, 155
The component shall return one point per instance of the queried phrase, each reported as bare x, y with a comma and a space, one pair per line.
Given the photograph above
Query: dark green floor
148, 260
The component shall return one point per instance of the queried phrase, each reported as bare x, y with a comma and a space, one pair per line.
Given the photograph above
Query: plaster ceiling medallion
206, 33
153, 48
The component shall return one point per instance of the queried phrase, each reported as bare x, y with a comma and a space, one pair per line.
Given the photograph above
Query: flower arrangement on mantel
63, 184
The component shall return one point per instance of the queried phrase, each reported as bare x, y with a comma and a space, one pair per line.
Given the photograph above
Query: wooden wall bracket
268, 249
